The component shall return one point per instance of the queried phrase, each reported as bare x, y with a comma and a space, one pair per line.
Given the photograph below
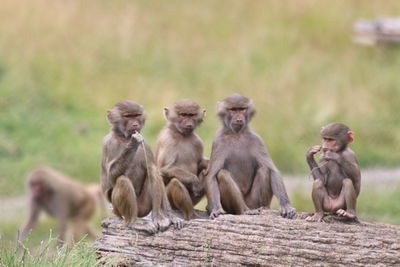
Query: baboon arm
203, 165
211, 183
277, 185
350, 167
34, 212
315, 171
170, 170
278, 188
184, 176
105, 182
213, 193
116, 167
62, 230
62, 218
311, 162
216, 163
158, 194
357, 183
317, 174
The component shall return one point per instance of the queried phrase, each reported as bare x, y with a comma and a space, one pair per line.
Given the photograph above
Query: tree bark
256, 240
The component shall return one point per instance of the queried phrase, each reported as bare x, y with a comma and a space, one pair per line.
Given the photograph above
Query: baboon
96, 193
62, 198
179, 155
129, 177
242, 176
337, 177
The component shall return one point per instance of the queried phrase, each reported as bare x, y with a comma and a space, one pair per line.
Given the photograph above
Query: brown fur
179, 155
95, 191
337, 177
242, 176
124, 172
62, 198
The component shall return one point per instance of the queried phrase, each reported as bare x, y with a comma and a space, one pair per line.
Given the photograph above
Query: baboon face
336, 137
236, 112
126, 117
185, 116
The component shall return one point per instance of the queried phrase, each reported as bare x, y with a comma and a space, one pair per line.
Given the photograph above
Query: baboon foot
317, 217
344, 213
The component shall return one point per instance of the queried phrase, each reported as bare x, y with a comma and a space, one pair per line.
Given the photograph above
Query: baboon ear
110, 116
166, 113
251, 109
350, 137
220, 108
201, 115
144, 117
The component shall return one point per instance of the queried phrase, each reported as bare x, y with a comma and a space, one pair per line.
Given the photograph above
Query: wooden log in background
265, 239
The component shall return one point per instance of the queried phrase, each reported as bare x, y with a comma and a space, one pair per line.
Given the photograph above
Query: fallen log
381, 31
265, 239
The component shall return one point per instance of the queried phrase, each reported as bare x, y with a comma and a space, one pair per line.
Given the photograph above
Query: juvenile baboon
129, 177
242, 176
337, 177
179, 155
62, 198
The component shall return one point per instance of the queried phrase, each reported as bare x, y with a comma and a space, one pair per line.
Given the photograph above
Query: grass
39, 248
80, 254
299, 65
63, 64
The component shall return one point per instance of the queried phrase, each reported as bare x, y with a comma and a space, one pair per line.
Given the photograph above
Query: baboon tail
123, 199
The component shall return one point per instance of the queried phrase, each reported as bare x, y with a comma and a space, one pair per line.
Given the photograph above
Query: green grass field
64, 63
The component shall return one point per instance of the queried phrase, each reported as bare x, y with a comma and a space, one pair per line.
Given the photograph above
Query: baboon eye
187, 114
238, 109
129, 115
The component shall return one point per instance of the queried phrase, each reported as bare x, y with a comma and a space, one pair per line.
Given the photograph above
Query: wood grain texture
265, 239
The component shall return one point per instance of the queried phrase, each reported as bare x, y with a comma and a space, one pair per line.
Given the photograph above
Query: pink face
131, 122
329, 144
237, 118
37, 189
186, 123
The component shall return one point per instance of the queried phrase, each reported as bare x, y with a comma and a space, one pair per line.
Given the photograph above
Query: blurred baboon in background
179, 155
66, 200
101, 203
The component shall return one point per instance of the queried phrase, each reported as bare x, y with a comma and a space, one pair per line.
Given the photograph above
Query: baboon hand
197, 188
215, 213
313, 150
138, 137
203, 174
178, 223
288, 212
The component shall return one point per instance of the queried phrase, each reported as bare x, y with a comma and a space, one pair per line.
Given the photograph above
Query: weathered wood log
265, 239
381, 31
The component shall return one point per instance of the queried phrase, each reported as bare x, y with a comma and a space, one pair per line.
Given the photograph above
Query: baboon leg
179, 198
231, 197
123, 199
261, 191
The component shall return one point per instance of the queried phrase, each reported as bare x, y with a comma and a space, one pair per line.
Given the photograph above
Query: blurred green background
64, 63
